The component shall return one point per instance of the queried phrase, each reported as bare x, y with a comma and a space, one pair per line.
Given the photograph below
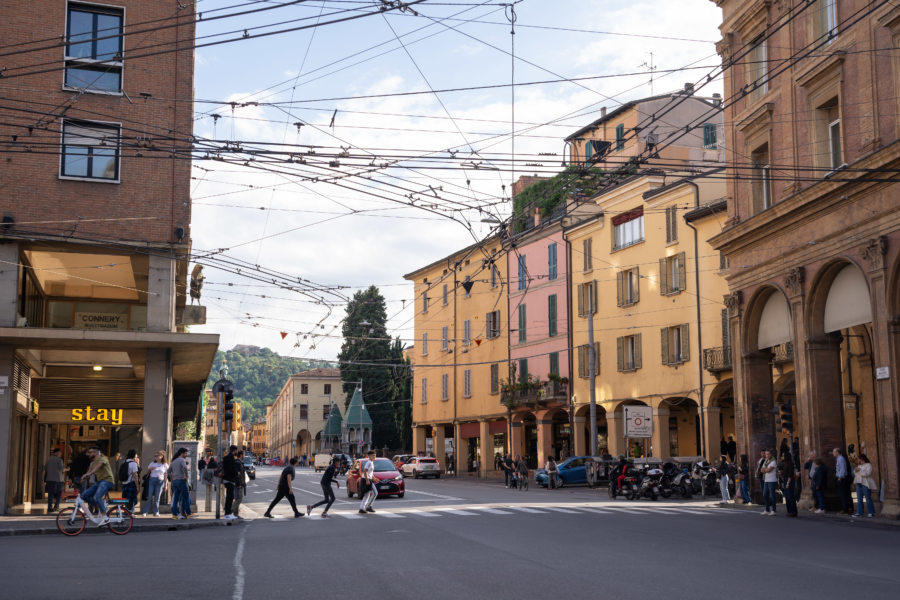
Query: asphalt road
462, 539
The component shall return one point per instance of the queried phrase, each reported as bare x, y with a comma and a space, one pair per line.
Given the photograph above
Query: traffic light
236, 423
786, 418
228, 415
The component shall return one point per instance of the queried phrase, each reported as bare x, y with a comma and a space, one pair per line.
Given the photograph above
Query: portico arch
582, 432
636, 447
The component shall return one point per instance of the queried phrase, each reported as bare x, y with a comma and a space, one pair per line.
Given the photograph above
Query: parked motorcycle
704, 479
649, 484
629, 485
676, 481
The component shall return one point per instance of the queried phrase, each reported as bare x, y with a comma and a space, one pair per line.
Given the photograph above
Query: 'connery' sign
100, 320
638, 421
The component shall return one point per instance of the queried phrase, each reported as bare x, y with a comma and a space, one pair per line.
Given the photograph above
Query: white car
420, 466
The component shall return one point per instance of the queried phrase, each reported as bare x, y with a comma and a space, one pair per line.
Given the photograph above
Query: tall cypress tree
401, 394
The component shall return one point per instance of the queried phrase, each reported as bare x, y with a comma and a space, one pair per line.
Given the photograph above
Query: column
486, 462
515, 439
161, 294
438, 444
544, 438
614, 429
7, 411
712, 416
9, 284
578, 437
158, 406
660, 439
759, 406
460, 451
418, 439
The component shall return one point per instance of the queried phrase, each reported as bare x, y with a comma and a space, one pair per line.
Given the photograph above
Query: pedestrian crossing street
596, 509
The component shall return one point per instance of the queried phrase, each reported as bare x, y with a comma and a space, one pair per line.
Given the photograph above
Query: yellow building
461, 355
259, 433
300, 412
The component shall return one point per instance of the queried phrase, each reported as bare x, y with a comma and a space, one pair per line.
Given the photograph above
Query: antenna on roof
652, 67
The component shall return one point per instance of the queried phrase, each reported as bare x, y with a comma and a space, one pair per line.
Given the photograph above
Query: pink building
536, 387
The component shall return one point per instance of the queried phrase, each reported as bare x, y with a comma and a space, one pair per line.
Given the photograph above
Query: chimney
602, 111
689, 89
717, 99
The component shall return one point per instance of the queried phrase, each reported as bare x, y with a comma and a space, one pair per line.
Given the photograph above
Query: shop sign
88, 414
101, 320
638, 421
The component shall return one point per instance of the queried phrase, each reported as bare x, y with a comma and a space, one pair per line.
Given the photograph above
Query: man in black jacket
327, 479
230, 474
285, 489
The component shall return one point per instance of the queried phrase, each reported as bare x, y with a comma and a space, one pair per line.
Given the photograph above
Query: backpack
123, 471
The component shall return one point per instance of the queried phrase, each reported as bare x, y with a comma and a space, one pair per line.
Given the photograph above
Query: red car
389, 481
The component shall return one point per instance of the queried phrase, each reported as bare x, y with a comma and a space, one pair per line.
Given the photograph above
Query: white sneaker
228, 517
764, 513
819, 511
155, 514
104, 521
182, 517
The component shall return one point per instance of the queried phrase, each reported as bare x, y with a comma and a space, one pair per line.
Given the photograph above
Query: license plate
383, 486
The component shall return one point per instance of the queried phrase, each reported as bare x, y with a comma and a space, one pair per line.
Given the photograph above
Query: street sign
638, 421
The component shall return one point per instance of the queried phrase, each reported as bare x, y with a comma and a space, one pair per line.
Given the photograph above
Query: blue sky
335, 236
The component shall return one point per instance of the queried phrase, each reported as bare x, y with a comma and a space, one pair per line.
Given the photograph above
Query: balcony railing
783, 353
716, 360
545, 391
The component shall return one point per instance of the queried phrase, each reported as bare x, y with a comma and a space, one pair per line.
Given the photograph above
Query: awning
848, 301
469, 430
775, 322
498, 426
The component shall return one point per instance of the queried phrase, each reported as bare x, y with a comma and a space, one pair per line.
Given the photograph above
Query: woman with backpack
156, 482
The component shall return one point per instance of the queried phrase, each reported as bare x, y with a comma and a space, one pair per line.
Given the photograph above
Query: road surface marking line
239, 567
441, 496
493, 511
559, 509
598, 511
423, 513
389, 515
348, 515
461, 513
525, 509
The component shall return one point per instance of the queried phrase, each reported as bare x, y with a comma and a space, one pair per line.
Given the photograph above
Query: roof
357, 414
318, 373
468, 249
611, 115
706, 210
333, 425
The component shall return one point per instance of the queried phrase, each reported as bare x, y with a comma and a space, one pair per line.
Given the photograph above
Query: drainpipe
455, 438
699, 322
570, 360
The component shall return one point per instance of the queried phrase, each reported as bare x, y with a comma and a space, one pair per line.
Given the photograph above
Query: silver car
421, 466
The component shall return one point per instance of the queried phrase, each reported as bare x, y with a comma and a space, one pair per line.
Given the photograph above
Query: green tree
366, 356
401, 394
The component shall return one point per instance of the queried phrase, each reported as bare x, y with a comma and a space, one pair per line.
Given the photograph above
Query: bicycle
523, 482
72, 520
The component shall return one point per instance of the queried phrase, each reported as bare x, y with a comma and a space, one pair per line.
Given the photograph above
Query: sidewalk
831, 517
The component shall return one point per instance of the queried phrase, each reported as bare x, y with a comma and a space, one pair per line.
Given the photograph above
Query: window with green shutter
551, 261
620, 136
709, 136
554, 362
523, 370
551, 315
522, 323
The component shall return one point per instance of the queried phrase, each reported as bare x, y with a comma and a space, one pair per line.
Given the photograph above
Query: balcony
783, 353
534, 394
716, 360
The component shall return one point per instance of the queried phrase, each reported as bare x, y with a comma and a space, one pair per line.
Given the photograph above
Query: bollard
208, 497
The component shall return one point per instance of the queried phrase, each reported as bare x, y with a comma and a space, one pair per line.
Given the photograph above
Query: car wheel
415, 474
438, 476
349, 492
560, 482
401, 494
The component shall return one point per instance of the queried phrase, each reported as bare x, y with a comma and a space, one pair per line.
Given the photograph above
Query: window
628, 350
554, 362
424, 390
523, 273
551, 316
445, 387
445, 296
757, 69
671, 224
826, 20
304, 411
495, 378
584, 360
304, 388
467, 383
620, 136
762, 184
493, 324
326, 411
90, 150
672, 278
588, 150
522, 323
723, 262
587, 298
327, 390
467, 332
424, 344
587, 254
425, 301
726, 329
675, 344
710, 137
828, 126
467, 286
94, 48
495, 276
628, 287
628, 228
523, 370
445, 338
551, 261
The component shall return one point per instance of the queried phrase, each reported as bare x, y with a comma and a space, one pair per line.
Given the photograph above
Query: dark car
389, 481
249, 468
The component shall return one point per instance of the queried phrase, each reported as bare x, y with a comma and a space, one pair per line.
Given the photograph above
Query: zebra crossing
509, 510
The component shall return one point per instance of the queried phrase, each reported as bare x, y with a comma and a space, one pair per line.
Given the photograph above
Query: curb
136, 528
822, 518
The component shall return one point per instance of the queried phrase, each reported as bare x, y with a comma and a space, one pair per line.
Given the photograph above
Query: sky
349, 153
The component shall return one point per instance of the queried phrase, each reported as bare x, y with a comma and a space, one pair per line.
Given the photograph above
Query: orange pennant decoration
284, 334
477, 342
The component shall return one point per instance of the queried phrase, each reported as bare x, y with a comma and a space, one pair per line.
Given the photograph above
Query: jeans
723, 487
229, 496
94, 495
863, 495
820, 499
843, 485
329, 498
769, 495
54, 494
181, 497
154, 491
745, 490
238, 498
130, 493
789, 502
551, 481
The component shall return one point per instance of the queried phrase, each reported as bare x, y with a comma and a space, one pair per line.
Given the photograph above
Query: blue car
571, 471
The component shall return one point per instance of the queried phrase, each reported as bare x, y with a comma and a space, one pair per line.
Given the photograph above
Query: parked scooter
650, 484
704, 479
676, 481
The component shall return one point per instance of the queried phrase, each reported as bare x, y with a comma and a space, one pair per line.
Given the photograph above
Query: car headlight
398, 478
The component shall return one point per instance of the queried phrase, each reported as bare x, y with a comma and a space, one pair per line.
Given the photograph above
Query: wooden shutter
685, 342
668, 225
596, 358
620, 353
582, 371
495, 378
636, 290
580, 299
638, 358
682, 281
664, 345
673, 224
620, 287
551, 315
594, 297
663, 276
726, 331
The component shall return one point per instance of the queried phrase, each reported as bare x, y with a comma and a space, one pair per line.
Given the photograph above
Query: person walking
843, 477
787, 474
181, 489
507, 465
156, 483
817, 483
769, 473
744, 478
54, 476
367, 478
865, 483
285, 489
522, 470
240, 488
552, 473
724, 468
329, 477
230, 473
130, 478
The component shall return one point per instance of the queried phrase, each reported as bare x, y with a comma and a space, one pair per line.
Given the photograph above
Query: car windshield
248, 461
383, 464
427, 460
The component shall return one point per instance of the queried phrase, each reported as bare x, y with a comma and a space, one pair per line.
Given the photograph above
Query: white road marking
239, 567
562, 510
526, 509
493, 511
348, 515
441, 496
461, 513
598, 511
423, 513
389, 515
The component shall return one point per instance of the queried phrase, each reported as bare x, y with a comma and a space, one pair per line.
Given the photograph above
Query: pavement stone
46, 525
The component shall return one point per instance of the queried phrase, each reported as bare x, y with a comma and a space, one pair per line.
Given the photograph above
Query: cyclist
105, 481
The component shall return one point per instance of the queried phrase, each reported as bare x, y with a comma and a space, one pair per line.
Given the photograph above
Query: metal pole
592, 371
220, 399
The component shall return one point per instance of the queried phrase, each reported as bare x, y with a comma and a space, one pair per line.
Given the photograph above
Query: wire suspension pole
511, 17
